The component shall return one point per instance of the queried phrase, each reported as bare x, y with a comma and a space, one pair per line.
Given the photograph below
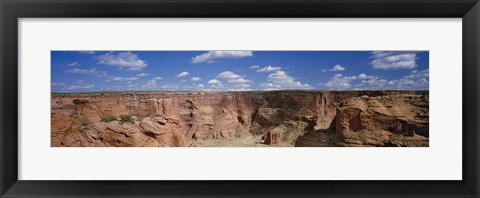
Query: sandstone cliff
300, 118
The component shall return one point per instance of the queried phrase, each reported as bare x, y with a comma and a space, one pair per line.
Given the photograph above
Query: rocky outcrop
374, 120
298, 118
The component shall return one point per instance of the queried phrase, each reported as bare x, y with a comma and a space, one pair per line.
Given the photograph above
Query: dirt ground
250, 141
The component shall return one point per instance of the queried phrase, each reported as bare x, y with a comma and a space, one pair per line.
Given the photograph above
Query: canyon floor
241, 119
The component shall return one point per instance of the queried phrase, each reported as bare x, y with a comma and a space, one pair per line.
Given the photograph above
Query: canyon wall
300, 118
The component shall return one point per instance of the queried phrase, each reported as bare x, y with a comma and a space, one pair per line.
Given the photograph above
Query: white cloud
117, 78
228, 75
101, 74
340, 82
183, 74
74, 64
123, 60
144, 74
58, 86
214, 81
372, 83
280, 80
269, 69
75, 87
362, 76
83, 71
337, 68
79, 85
151, 83
235, 82
172, 87
195, 78
416, 80
393, 60
239, 80
415, 74
254, 67
158, 78
131, 78
212, 55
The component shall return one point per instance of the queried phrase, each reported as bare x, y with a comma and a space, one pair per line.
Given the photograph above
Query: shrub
156, 115
84, 123
108, 118
127, 118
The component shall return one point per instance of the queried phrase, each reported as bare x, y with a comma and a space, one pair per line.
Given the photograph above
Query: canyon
241, 119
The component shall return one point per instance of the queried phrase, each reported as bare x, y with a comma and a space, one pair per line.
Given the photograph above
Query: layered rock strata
299, 118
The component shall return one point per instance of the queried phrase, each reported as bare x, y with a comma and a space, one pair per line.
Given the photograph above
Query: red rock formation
182, 118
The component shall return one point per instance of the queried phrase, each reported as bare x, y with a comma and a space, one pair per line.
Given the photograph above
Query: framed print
227, 99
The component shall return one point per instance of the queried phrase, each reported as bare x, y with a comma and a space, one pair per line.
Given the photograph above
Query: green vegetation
127, 118
155, 115
108, 118
84, 125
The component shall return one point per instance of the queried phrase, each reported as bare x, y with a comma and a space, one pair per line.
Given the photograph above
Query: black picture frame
12, 10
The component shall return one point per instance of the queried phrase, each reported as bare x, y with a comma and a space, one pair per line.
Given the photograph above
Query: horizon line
316, 90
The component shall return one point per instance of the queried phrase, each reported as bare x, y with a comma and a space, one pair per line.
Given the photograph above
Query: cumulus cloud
144, 74
269, 69
393, 60
157, 78
78, 85
123, 60
58, 86
280, 80
117, 78
183, 74
213, 55
228, 75
195, 78
362, 76
75, 87
214, 81
169, 87
340, 82
74, 64
337, 68
150, 83
235, 81
83, 71
230, 82
254, 67
415, 74
416, 80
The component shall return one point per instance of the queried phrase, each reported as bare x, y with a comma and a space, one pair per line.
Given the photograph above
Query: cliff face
297, 118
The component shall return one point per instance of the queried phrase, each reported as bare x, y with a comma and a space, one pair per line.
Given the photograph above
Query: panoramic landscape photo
239, 98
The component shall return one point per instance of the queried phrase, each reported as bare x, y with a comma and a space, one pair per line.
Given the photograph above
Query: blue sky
85, 71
